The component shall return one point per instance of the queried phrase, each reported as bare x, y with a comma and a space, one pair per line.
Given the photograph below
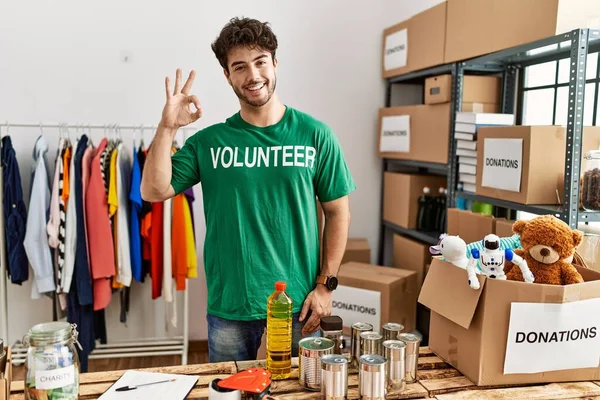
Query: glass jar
52, 364
590, 188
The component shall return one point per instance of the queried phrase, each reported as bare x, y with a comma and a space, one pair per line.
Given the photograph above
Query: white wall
63, 61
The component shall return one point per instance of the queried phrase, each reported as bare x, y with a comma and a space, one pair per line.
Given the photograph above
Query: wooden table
436, 380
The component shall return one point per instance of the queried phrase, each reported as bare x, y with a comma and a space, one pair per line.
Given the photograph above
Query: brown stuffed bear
548, 247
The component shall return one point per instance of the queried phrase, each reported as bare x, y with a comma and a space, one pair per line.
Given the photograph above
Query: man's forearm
335, 236
156, 177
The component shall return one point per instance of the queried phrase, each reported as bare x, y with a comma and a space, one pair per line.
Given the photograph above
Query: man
260, 172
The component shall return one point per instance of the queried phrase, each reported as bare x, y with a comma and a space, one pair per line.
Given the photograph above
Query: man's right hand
177, 112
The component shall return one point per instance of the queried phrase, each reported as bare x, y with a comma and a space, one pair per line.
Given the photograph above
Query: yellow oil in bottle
279, 333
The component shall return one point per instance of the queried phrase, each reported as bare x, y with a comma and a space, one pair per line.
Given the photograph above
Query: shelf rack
509, 64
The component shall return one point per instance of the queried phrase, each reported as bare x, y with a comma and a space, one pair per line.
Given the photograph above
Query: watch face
332, 283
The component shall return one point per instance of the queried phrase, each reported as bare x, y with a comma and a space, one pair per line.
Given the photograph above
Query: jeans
240, 340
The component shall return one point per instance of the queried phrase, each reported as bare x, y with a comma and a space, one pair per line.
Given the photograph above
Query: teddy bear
548, 245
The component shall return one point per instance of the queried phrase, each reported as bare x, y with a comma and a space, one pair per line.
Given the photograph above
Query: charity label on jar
55, 378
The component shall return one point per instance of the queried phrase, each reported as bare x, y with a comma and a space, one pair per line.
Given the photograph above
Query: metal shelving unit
510, 64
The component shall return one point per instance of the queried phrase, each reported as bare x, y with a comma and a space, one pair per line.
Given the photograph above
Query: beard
258, 102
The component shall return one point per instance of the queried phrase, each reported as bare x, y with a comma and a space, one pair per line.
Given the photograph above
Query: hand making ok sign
177, 111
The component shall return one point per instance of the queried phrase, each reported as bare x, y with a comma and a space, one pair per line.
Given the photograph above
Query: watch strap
322, 279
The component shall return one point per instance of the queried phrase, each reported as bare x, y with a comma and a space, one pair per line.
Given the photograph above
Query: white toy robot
491, 261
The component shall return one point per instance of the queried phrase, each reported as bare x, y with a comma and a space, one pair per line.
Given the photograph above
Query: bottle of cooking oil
279, 333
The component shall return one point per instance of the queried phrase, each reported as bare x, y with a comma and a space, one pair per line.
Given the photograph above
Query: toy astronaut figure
491, 262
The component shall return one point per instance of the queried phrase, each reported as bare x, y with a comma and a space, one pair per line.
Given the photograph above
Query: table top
436, 379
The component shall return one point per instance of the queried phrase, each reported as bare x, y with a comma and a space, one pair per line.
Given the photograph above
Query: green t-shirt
259, 189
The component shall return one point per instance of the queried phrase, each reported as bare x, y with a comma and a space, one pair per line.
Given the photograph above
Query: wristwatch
330, 282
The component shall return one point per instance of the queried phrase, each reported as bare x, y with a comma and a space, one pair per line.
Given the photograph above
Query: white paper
395, 134
177, 390
502, 164
357, 305
396, 50
55, 378
546, 337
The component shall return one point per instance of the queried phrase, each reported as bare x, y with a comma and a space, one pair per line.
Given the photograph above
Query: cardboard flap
446, 291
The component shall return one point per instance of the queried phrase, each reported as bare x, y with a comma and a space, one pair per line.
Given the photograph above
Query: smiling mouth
255, 88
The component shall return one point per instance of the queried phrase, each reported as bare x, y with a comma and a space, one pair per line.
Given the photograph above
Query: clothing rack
141, 347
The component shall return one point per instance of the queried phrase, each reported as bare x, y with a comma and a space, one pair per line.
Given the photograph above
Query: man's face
252, 75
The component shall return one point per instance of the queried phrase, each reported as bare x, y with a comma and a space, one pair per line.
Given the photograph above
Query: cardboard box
481, 108
7, 379
401, 196
518, 22
419, 132
476, 89
357, 249
478, 27
470, 226
504, 227
414, 44
467, 324
523, 163
411, 255
376, 295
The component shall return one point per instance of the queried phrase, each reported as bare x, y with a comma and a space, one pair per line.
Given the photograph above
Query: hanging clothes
135, 197
36, 238
54, 220
189, 194
80, 302
82, 263
101, 246
68, 225
15, 215
123, 182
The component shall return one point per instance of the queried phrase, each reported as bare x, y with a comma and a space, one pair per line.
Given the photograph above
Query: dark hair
246, 32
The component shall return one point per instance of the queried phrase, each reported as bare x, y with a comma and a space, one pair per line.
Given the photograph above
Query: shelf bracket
577, 67
457, 72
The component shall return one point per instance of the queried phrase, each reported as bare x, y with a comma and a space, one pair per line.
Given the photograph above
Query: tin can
391, 330
332, 328
357, 329
412, 343
395, 352
370, 343
371, 377
334, 377
310, 351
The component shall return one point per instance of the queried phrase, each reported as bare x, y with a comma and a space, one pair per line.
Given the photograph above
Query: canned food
332, 328
371, 377
310, 351
391, 330
357, 329
394, 353
412, 343
334, 377
370, 343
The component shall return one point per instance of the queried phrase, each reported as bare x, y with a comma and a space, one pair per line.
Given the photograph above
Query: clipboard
178, 389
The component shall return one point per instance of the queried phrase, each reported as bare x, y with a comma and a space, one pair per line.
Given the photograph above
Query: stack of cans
386, 360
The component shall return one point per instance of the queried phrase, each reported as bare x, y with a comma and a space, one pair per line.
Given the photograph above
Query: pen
133, 387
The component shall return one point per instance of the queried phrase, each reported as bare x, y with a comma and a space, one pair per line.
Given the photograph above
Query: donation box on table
511, 332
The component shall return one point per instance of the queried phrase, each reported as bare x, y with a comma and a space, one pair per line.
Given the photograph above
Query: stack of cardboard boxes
514, 163
457, 30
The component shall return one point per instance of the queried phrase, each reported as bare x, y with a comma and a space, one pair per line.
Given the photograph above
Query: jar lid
49, 332
332, 323
316, 343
